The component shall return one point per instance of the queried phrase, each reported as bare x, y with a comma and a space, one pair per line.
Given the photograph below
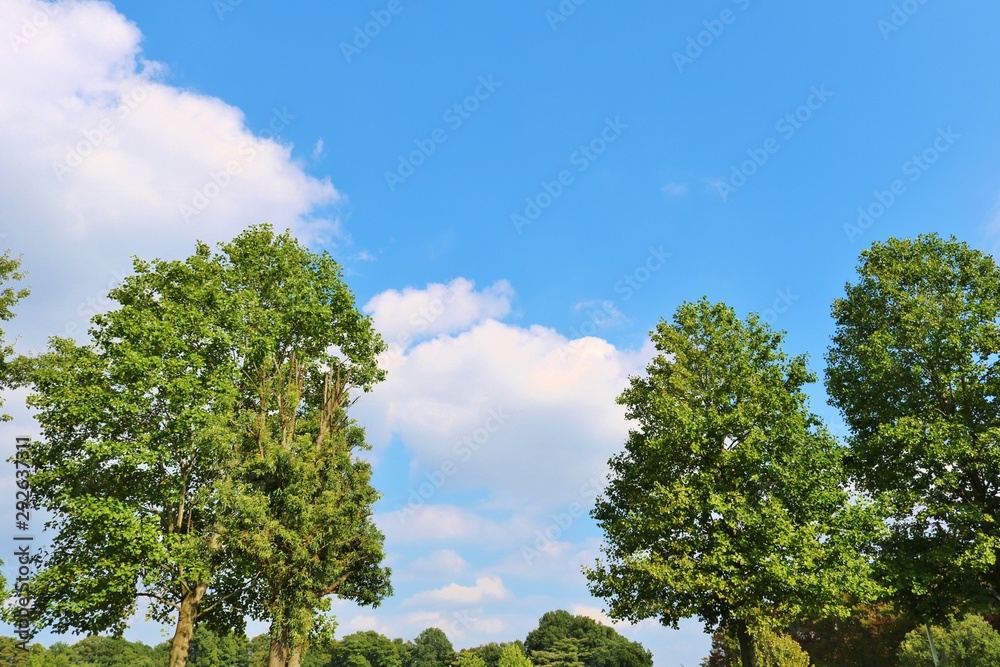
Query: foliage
97, 651
9, 296
773, 650
198, 454
780, 650
915, 372
260, 647
513, 656
138, 429
564, 639
470, 659
491, 652
969, 642
404, 648
728, 502
377, 650
12, 654
300, 501
432, 648
9, 377
565, 652
725, 651
211, 650
869, 636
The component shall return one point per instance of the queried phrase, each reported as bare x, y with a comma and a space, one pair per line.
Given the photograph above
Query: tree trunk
295, 659
278, 656
181, 643
748, 652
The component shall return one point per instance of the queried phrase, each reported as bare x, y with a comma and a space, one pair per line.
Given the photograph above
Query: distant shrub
773, 650
778, 650
969, 642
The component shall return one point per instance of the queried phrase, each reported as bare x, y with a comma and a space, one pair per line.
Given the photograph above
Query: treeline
198, 453
560, 639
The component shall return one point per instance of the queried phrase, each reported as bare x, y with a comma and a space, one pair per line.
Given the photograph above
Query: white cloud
522, 413
99, 156
363, 623
474, 626
486, 589
402, 315
631, 630
437, 563
595, 613
449, 524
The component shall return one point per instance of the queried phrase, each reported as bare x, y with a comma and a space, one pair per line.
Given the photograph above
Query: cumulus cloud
525, 414
486, 589
437, 563
595, 613
101, 158
459, 625
404, 315
450, 524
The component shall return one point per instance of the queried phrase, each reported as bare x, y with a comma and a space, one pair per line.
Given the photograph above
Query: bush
969, 642
774, 650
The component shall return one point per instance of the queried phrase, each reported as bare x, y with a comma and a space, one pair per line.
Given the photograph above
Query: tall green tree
147, 430
377, 649
404, 648
915, 370
513, 656
564, 639
432, 648
139, 426
965, 642
728, 502
300, 504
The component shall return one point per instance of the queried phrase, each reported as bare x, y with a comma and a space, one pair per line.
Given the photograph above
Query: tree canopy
181, 444
10, 294
915, 371
728, 502
562, 639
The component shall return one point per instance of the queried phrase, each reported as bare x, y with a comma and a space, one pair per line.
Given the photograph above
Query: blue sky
517, 194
